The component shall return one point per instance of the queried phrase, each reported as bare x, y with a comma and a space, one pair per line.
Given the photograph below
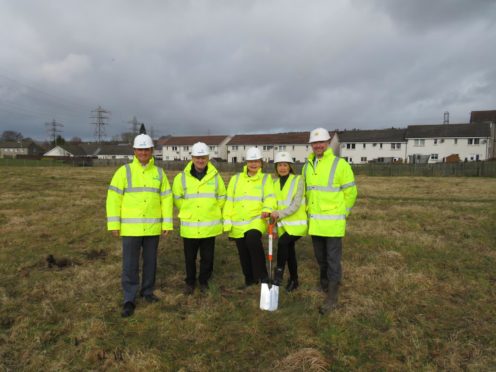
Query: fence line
468, 169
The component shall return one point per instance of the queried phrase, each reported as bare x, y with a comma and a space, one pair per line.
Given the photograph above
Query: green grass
418, 290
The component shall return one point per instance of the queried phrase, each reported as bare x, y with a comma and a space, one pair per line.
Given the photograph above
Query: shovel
269, 296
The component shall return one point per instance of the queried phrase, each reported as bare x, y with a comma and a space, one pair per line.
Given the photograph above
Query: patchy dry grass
419, 289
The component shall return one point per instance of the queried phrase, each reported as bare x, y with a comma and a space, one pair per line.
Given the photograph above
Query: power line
53, 128
101, 117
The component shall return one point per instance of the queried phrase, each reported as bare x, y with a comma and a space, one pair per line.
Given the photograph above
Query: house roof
483, 116
94, 149
448, 130
17, 145
290, 138
191, 140
75, 150
378, 135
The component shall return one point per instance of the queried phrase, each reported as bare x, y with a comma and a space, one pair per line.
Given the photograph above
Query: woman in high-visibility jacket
199, 195
250, 200
291, 218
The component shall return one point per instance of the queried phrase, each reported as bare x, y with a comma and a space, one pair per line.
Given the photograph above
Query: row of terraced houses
473, 141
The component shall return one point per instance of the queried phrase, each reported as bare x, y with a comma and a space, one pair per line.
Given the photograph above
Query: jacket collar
327, 154
255, 177
150, 164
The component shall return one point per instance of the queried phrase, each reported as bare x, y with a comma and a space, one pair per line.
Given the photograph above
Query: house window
435, 141
293, 149
473, 141
364, 145
185, 148
441, 140
282, 147
419, 142
395, 146
380, 145
174, 148
234, 147
211, 148
374, 145
476, 141
455, 140
434, 156
350, 146
363, 159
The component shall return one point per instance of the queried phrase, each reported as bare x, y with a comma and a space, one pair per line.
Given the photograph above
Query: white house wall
364, 152
441, 148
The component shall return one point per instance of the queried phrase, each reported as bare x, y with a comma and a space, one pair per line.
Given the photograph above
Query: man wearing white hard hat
139, 209
250, 200
199, 195
330, 194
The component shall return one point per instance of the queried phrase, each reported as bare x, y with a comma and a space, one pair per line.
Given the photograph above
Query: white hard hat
200, 149
318, 135
253, 153
143, 141
283, 157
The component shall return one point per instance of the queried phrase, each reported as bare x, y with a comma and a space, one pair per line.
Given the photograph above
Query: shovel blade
269, 297
274, 297
265, 297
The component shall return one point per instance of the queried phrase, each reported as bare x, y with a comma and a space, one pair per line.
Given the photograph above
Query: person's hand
265, 214
165, 233
274, 215
116, 233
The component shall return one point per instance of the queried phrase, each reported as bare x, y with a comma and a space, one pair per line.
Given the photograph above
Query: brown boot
331, 301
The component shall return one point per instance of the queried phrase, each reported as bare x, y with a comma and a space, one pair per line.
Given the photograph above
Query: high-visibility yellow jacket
247, 198
331, 193
199, 202
294, 223
139, 200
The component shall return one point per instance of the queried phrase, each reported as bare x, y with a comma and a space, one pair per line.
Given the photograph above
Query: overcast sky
239, 66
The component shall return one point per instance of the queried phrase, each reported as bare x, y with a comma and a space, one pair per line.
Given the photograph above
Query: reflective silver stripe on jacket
254, 198
142, 189
241, 223
346, 185
166, 192
116, 189
128, 176
327, 216
292, 223
141, 220
201, 224
199, 195
113, 219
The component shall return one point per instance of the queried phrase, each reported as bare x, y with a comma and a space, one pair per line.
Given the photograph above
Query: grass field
418, 292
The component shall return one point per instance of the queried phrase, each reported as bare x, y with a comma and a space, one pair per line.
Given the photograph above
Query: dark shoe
292, 285
203, 288
278, 274
331, 301
151, 298
189, 289
127, 309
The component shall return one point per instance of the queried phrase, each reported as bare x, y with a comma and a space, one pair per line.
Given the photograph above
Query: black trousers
206, 247
132, 246
328, 252
286, 253
252, 257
